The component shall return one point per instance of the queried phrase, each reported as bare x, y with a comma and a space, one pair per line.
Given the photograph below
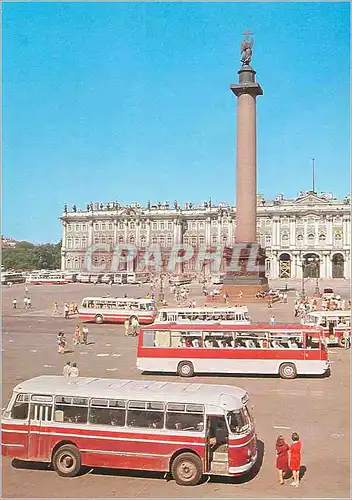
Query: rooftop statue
246, 49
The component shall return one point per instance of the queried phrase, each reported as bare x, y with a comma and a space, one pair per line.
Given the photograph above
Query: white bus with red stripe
286, 350
47, 279
117, 310
335, 324
185, 429
186, 315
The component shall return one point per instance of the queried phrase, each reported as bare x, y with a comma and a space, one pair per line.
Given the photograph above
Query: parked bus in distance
286, 350
46, 279
117, 310
180, 279
125, 278
222, 315
9, 277
131, 424
334, 323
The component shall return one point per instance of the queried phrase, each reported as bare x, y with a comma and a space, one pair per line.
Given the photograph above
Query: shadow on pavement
102, 471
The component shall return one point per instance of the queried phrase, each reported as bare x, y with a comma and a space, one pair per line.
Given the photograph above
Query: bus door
217, 448
40, 416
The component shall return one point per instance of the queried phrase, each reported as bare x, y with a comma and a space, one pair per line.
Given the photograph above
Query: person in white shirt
85, 332
67, 370
74, 373
135, 326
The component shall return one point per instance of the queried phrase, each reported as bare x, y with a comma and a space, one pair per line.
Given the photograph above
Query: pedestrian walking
26, 290
295, 458
74, 373
61, 340
285, 297
14, 302
272, 319
346, 339
66, 310
71, 308
29, 303
55, 309
135, 326
127, 327
281, 457
77, 335
25, 303
270, 302
66, 370
85, 332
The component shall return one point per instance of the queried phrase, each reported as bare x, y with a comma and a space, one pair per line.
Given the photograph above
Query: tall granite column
246, 199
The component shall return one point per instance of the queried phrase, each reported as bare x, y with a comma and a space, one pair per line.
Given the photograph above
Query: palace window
69, 242
162, 241
154, 239
96, 240
103, 226
103, 239
121, 239
120, 225
110, 226
84, 242
155, 226
69, 227
77, 227
214, 222
169, 241
201, 241
169, 225
201, 225
96, 226
143, 225
132, 225
267, 240
84, 227
194, 241
162, 226
110, 240
214, 239
132, 240
77, 245
143, 241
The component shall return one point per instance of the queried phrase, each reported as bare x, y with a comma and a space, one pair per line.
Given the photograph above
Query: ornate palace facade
310, 234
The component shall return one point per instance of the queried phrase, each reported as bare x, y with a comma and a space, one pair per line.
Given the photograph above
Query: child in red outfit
281, 457
295, 458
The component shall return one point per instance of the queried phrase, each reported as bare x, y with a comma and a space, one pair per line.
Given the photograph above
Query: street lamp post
161, 291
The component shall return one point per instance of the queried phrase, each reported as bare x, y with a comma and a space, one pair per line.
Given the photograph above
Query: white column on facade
329, 266
176, 232
148, 223
347, 266
345, 234
316, 234
292, 231
63, 246
208, 232
329, 231
138, 231
305, 234
219, 231
90, 233
126, 230
115, 232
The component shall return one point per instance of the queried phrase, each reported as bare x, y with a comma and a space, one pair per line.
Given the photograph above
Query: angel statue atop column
246, 49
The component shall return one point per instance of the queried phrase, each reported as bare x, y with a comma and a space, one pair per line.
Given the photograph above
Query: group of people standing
70, 372
80, 336
288, 458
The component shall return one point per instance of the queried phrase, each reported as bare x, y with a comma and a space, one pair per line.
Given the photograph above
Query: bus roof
121, 299
136, 389
231, 327
204, 309
330, 313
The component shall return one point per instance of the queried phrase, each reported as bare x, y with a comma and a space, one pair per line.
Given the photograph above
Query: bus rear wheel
185, 369
67, 461
341, 341
99, 319
288, 370
186, 469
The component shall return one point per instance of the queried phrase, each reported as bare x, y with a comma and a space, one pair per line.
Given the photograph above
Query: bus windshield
239, 421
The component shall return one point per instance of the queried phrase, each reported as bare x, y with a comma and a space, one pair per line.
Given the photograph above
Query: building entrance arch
311, 265
338, 263
285, 265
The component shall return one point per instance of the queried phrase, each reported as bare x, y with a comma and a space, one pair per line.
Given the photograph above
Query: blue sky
131, 102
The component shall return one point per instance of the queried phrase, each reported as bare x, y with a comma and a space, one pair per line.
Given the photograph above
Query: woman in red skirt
295, 458
281, 457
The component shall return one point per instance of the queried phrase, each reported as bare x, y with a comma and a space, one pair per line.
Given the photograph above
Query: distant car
328, 293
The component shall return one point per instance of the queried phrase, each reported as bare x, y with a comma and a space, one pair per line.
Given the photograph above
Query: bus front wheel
288, 370
341, 341
186, 469
99, 319
185, 369
67, 461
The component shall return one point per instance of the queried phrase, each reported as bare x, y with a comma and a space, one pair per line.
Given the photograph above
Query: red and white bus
186, 429
47, 279
287, 350
117, 310
335, 324
186, 315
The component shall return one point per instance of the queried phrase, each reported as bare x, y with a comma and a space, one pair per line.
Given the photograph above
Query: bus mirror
59, 416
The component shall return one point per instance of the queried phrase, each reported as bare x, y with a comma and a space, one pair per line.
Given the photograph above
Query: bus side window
141, 414
104, 412
20, 408
184, 421
74, 409
148, 338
